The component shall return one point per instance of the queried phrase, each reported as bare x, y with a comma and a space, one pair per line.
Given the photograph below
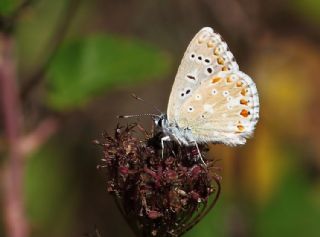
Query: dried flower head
158, 196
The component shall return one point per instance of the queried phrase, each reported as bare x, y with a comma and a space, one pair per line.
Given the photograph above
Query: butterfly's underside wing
210, 96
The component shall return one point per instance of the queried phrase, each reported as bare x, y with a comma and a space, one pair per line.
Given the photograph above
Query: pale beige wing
206, 55
224, 108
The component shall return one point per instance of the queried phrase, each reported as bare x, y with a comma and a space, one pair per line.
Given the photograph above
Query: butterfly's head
160, 121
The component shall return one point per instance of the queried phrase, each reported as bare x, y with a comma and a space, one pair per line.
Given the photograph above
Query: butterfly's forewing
205, 56
210, 95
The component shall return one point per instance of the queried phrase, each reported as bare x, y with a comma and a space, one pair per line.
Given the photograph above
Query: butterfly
211, 100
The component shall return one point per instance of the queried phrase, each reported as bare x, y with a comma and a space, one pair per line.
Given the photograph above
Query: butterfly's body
172, 131
211, 100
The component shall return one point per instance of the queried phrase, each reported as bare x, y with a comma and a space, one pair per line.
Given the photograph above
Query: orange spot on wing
215, 79
239, 83
220, 60
240, 128
245, 113
243, 92
229, 79
210, 44
216, 51
224, 68
243, 102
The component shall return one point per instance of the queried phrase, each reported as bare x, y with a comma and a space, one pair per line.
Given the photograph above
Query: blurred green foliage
212, 224
86, 67
7, 6
50, 190
309, 9
291, 209
35, 33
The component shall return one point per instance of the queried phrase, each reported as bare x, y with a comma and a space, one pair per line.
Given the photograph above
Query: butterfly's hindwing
223, 108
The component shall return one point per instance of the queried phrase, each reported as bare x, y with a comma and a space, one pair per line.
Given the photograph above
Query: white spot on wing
208, 108
198, 97
226, 93
190, 109
214, 92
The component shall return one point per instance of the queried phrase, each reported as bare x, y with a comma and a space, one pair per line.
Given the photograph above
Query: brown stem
57, 38
16, 224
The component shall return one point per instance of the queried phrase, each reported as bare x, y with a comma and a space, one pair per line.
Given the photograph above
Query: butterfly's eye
159, 123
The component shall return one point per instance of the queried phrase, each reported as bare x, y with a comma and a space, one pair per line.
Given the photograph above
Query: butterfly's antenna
137, 115
138, 98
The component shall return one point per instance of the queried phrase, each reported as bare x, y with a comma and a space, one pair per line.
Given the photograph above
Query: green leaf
7, 6
87, 67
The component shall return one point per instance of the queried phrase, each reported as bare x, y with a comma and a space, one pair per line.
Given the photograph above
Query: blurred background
67, 69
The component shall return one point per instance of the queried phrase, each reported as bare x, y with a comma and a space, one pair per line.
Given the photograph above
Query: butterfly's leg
163, 139
176, 139
199, 153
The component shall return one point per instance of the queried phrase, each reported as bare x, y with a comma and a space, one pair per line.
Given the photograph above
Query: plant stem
14, 216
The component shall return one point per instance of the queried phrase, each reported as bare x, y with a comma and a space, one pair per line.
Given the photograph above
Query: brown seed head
158, 196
